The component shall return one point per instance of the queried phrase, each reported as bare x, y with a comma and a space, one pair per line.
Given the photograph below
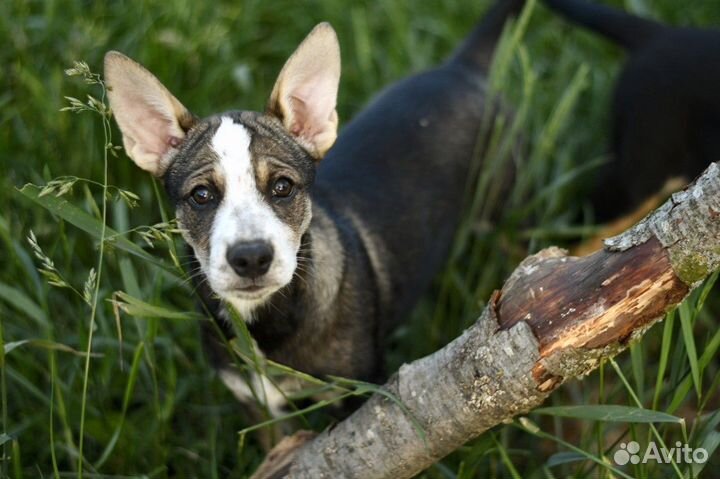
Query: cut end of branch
593, 303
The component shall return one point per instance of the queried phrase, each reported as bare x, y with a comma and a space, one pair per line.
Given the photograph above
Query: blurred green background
153, 407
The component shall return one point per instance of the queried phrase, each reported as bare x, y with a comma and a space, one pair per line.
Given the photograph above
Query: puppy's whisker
201, 283
298, 276
195, 274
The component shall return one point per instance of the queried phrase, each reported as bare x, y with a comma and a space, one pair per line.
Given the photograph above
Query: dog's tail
477, 50
629, 31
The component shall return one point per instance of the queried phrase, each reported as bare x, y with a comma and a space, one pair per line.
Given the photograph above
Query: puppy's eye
282, 188
201, 196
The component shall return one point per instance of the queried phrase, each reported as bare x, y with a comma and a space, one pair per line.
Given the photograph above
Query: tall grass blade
610, 413
89, 224
686, 323
664, 355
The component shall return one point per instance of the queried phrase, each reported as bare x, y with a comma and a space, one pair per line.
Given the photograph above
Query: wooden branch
553, 320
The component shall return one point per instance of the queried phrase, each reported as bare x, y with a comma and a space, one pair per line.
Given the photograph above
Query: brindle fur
375, 218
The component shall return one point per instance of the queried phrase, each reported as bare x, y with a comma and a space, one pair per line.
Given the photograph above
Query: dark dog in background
321, 258
666, 105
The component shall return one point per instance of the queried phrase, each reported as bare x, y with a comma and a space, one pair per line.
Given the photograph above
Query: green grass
145, 403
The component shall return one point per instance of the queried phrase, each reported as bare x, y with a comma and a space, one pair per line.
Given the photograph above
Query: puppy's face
239, 181
240, 186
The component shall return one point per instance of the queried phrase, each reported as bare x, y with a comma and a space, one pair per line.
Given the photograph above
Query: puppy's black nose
250, 259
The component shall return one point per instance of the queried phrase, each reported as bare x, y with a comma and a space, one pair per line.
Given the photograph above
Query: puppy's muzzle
250, 259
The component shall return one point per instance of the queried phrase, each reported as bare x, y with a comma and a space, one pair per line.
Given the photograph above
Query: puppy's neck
302, 311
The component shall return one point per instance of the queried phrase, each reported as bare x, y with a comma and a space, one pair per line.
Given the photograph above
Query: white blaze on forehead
232, 144
244, 215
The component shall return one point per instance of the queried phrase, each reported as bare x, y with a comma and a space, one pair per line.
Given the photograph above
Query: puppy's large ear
305, 93
152, 121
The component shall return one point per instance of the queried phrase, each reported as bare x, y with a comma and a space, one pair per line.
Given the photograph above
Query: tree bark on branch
555, 318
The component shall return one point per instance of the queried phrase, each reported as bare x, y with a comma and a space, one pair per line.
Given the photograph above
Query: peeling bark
687, 226
588, 303
553, 320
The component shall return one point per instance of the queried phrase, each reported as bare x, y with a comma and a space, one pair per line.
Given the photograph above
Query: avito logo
680, 454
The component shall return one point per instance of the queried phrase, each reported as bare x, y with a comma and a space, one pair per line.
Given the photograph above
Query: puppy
321, 250
666, 106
